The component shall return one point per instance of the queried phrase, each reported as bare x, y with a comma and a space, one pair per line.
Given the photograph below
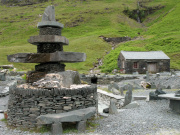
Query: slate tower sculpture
50, 52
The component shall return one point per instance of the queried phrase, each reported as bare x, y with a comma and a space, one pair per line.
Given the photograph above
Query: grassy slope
94, 18
163, 33
97, 20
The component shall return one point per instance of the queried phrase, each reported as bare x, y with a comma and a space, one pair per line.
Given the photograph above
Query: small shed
152, 61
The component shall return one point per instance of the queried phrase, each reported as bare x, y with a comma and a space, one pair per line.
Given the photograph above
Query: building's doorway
152, 67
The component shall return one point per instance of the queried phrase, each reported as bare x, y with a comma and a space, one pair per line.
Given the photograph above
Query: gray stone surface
36, 40
174, 101
115, 91
147, 76
117, 97
113, 85
56, 128
4, 90
70, 57
72, 116
128, 96
49, 14
81, 126
60, 79
175, 105
112, 107
169, 96
139, 97
2, 76
177, 93
4, 103
131, 105
50, 23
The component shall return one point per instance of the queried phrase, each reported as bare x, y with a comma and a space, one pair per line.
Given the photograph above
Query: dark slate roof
144, 55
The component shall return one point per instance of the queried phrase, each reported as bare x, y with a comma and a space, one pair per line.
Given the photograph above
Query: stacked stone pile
50, 52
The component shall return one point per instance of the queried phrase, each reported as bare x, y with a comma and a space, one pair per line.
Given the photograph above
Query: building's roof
144, 55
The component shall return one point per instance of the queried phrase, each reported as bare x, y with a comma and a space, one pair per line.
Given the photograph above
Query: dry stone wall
25, 105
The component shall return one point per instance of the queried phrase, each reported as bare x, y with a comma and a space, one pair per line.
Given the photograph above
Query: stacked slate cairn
49, 89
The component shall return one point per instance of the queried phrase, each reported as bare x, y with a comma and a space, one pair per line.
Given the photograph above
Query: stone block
131, 105
112, 107
49, 14
2, 76
72, 116
36, 40
128, 96
175, 105
81, 126
139, 97
67, 108
56, 128
68, 57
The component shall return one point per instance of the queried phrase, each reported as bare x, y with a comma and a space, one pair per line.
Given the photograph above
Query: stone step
36, 40
69, 57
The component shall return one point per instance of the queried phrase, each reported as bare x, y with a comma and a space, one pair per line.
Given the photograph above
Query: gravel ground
151, 118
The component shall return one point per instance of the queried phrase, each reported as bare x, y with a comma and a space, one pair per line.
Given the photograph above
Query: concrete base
175, 105
56, 129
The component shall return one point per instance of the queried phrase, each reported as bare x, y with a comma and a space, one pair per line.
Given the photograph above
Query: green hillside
85, 21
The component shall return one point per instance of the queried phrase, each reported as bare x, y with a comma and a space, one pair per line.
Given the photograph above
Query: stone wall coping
118, 97
169, 96
52, 92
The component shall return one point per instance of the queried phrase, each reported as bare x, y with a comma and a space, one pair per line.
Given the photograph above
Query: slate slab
49, 14
69, 57
112, 107
128, 96
72, 116
48, 39
2, 76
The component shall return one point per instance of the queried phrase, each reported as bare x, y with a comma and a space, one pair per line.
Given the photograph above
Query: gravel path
151, 118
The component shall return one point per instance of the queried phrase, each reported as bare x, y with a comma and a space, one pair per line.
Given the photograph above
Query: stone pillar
81, 126
56, 129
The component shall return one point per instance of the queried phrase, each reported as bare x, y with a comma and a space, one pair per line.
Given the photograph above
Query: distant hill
87, 21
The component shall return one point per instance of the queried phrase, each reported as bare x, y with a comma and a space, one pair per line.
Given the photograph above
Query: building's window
135, 65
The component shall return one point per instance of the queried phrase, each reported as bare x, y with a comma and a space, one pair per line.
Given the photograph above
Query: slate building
152, 61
